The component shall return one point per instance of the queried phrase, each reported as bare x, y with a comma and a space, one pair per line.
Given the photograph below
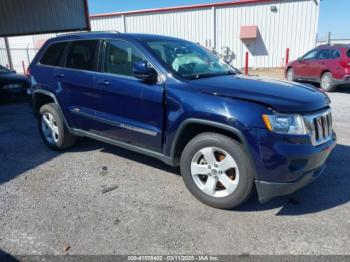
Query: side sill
166, 159
78, 132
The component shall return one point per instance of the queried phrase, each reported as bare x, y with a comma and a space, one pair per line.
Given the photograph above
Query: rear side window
120, 57
53, 54
335, 54
324, 54
82, 55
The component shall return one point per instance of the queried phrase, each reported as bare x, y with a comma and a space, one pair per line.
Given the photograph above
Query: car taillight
345, 64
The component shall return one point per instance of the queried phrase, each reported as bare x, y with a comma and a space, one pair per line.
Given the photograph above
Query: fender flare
225, 127
52, 95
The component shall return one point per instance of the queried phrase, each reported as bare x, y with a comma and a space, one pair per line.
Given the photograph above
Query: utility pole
8, 51
329, 38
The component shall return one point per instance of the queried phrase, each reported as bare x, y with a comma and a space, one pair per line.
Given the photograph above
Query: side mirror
13, 71
144, 72
300, 59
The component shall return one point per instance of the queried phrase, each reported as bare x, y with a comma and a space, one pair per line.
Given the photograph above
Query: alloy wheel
215, 172
290, 75
49, 128
326, 82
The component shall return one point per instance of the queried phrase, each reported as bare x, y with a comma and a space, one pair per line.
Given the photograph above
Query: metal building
263, 28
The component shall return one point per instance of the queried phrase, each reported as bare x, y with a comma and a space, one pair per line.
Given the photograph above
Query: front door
128, 109
303, 67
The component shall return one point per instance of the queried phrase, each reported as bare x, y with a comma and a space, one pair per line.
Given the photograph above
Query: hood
283, 96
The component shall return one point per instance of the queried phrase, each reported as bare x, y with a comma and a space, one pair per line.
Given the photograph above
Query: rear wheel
290, 74
327, 82
217, 170
52, 128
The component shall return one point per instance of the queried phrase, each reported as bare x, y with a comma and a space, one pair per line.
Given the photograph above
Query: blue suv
174, 100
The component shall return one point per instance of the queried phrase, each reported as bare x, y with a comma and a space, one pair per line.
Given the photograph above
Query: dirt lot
49, 200
268, 72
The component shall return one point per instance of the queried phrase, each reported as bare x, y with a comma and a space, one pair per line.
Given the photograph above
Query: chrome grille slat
326, 127
320, 127
323, 124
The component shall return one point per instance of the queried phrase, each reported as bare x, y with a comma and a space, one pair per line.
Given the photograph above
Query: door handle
103, 83
59, 75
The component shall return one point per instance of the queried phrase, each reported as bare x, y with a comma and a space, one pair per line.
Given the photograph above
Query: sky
333, 13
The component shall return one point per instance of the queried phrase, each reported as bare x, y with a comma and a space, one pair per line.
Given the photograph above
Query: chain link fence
21, 58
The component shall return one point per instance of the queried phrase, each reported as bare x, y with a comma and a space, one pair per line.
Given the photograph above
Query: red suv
328, 65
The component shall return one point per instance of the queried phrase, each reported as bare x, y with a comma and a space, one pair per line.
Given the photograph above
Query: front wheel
290, 74
217, 170
327, 82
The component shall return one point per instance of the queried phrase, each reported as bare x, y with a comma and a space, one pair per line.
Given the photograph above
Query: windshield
189, 60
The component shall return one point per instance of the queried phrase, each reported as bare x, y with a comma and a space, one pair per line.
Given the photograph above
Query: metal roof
22, 17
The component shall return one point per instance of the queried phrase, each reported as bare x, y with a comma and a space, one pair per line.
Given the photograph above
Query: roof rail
92, 32
334, 45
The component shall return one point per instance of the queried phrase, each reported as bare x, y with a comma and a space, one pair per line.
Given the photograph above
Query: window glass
335, 54
348, 53
120, 57
81, 55
53, 54
310, 55
189, 60
324, 54
161, 51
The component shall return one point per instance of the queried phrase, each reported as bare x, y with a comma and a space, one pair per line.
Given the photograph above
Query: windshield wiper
213, 74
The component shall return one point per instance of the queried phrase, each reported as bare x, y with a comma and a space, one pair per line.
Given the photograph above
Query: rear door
75, 82
43, 71
323, 62
128, 109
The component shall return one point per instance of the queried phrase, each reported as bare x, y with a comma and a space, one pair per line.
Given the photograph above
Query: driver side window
120, 57
311, 55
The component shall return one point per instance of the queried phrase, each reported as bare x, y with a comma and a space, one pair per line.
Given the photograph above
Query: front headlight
285, 124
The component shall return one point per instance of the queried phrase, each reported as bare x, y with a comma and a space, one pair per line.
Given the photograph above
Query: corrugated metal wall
194, 25
293, 25
107, 23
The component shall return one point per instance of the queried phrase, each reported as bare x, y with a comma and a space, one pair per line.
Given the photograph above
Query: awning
249, 32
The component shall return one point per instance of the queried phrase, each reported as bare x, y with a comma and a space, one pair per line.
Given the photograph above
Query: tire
224, 149
290, 74
52, 129
327, 82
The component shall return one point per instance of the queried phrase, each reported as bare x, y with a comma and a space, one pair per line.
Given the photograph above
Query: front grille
320, 126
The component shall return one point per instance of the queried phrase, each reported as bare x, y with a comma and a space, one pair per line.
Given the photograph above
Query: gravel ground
52, 203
